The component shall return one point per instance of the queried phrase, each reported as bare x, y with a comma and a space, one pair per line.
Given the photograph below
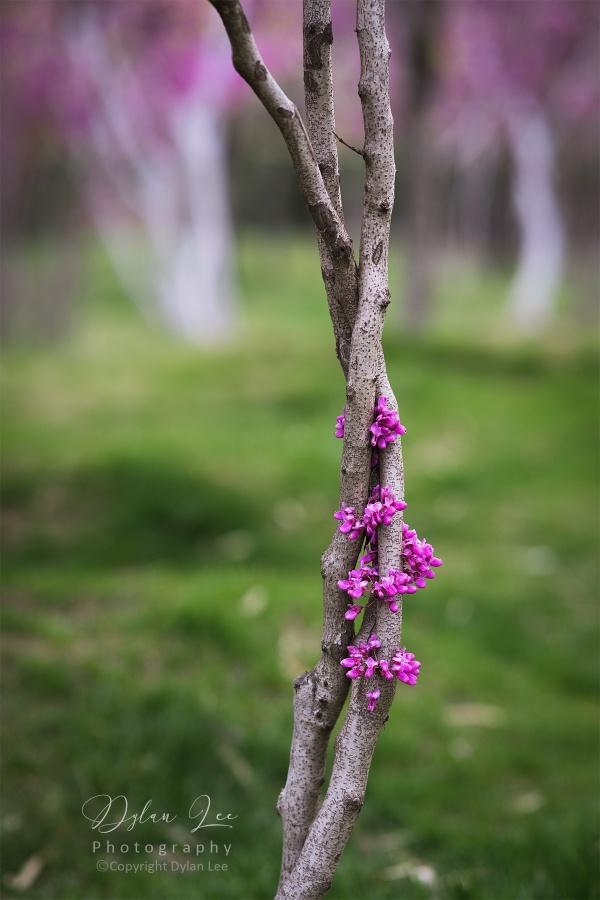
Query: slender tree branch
341, 286
357, 307
320, 693
249, 64
318, 92
349, 146
355, 745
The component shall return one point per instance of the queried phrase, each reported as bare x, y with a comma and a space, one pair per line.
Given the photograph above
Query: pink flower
373, 642
354, 584
387, 425
351, 524
384, 670
392, 603
358, 581
402, 582
353, 611
363, 663
356, 670
385, 587
418, 561
360, 662
368, 558
370, 666
381, 509
373, 697
354, 663
405, 667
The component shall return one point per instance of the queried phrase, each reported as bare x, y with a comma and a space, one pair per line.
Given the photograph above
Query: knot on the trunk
315, 38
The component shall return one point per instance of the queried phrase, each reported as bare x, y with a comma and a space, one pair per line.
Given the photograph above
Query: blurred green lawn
164, 515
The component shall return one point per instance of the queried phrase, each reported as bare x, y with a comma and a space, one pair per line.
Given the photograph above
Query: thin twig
349, 146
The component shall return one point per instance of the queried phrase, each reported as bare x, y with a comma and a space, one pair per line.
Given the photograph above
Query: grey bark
341, 285
355, 745
249, 64
314, 838
320, 693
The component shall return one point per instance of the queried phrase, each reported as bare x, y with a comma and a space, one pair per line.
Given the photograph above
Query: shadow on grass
148, 738
122, 511
524, 359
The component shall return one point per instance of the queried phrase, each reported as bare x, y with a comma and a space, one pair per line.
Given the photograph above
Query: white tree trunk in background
161, 206
542, 249
195, 282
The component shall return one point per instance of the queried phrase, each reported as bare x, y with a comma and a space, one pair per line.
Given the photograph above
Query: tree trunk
542, 244
160, 202
314, 838
422, 22
195, 285
419, 222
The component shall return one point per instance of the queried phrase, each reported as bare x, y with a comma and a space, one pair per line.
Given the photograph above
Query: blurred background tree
134, 101
518, 79
418, 27
133, 106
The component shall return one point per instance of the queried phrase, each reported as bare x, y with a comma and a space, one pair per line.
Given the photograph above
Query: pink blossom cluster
352, 525
418, 560
418, 564
364, 663
381, 508
366, 577
386, 426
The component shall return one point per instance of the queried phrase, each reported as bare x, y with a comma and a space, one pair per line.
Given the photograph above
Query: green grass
164, 512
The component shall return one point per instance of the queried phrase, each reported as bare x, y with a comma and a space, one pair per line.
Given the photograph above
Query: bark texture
249, 64
320, 693
367, 377
341, 285
314, 838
